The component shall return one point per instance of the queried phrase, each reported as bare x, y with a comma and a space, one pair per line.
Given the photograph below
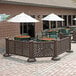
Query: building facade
37, 11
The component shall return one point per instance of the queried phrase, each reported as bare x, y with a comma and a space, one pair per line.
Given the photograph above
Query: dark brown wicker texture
74, 35
35, 49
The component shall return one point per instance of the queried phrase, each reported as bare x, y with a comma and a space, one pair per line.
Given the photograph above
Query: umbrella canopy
0, 18
52, 17
3, 17
74, 19
22, 18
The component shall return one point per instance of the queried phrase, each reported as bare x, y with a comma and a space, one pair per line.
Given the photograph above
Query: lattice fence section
74, 35
43, 49
63, 45
18, 47
38, 49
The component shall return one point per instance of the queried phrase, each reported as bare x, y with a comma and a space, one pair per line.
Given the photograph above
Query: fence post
7, 48
55, 56
69, 51
31, 52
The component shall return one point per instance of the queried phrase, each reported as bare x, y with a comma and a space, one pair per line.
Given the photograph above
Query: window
65, 20
53, 24
73, 20
69, 20
59, 23
45, 23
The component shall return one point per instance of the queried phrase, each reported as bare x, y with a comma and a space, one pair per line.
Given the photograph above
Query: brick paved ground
17, 65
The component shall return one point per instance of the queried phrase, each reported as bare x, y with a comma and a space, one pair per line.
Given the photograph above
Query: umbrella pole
56, 24
49, 25
22, 28
27, 27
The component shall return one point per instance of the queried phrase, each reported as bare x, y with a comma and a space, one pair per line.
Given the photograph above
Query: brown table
47, 39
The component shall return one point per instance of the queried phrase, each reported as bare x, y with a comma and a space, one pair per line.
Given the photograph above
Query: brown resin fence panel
63, 45
43, 49
74, 35
38, 49
17, 47
34, 49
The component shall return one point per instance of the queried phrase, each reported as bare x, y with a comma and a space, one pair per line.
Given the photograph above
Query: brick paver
18, 66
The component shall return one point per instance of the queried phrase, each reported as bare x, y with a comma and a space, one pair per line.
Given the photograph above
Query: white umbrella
3, 17
22, 18
0, 18
52, 17
74, 19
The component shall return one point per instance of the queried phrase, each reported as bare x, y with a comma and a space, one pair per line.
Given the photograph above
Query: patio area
18, 65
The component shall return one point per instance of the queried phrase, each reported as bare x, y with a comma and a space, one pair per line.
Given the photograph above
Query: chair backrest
53, 33
53, 36
64, 31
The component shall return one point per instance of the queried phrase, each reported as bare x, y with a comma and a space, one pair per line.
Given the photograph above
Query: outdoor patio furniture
35, 49
47, 39
53, 34
65, 31
23, 37
44, 33
61, 35
72, 28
